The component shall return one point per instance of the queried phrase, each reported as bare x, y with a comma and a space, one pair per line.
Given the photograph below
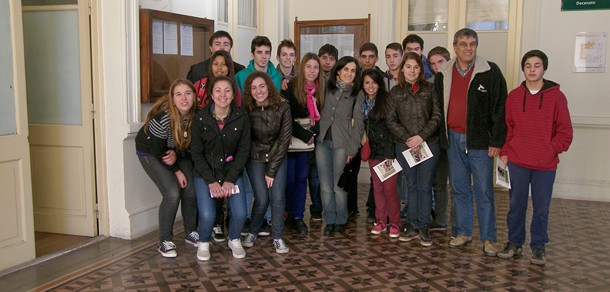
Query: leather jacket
271, 132
415, 114
220, 154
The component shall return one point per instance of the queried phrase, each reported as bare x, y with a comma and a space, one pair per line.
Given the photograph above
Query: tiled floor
578, 260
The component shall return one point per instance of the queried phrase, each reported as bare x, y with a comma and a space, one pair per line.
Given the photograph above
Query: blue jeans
314, 185
334, 199
419, 181
172, 194
439, 185
462, 165
236, 204
249, 194
541, 182
274, 197
401, 185
296, 184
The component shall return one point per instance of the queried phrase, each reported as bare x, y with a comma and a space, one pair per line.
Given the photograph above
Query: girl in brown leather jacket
271, 131
416, 120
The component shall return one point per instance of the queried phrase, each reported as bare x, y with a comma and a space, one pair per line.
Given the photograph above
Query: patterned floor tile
359, 261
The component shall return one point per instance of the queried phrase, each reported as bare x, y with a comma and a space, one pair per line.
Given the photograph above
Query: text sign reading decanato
571, 5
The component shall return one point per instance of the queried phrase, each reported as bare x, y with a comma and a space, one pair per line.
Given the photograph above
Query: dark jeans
236, 204
314, 185
439, 186
370, 201
419, 180
274, 197
541, 182
352, 194
172, 194
220, 212
296, 184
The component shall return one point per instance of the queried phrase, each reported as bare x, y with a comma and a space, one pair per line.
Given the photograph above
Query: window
246, 10
223, 11
487, 14
428, 15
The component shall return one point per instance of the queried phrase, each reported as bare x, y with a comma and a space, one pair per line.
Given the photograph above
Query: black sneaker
370, 218
300, 226
246, 229
264, 231
424, 237
352, 214
339, 228
437, 227
329, 229
408, 234
218, 233
538, 256
316, 216
289, 223
192, 238
510, 251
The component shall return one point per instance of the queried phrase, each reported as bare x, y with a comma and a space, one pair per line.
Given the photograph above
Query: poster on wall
343, 42
590, 52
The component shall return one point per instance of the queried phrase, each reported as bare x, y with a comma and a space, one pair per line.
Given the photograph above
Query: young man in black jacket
220, 40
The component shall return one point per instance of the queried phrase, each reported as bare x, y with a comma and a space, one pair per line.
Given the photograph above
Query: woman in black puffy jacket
377, 109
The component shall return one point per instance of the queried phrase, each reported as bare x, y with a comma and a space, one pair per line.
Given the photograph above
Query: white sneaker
280, 246
249, 240
238, 251
203, 251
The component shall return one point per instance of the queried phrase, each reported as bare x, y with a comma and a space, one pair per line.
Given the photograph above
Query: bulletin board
169, 44
347, 35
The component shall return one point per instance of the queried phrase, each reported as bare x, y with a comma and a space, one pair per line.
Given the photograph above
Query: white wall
133, 200
114, 90
584, 171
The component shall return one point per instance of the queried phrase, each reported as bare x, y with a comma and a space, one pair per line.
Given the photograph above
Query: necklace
186, 123
219, 118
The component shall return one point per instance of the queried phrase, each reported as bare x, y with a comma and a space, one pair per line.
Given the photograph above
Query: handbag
296, 144
365, 151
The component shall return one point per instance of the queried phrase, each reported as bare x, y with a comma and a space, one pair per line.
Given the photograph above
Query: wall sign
572, 5
590, 52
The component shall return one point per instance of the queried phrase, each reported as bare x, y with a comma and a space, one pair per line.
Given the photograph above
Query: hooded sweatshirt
240, 77
538, 126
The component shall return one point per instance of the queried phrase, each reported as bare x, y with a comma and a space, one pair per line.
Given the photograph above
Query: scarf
341, 85
368, 106
312, 108
414, 88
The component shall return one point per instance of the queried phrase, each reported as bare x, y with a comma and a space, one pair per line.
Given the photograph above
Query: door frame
99, 123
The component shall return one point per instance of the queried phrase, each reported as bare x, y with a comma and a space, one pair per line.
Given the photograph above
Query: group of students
231, 136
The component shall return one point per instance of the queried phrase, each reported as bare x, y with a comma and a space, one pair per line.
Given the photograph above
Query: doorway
60, 116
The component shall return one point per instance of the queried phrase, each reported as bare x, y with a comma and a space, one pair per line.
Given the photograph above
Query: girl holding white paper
381, 142
415, 120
